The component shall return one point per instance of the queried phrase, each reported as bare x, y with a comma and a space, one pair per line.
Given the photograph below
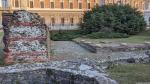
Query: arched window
31, 4
119, 2
52, 4
62, 4
42, 3
80, 20
62, 21
88, 4
71, 21
16, 3
53, 21
149, 20
80, 4
4, 3
149, 5
71, 4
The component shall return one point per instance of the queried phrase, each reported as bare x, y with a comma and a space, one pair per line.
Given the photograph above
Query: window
62, 4
4, 3
53, 21
149, 20
16, 3
42, 3
124, 1
88, 4
71, 21
80, 4
31, 3
70, 4
62, 21
118, 2
148, 5
52, 4
96, 2
80, 20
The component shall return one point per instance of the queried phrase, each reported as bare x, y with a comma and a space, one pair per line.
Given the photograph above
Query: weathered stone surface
25, 38
114, 47
53, 73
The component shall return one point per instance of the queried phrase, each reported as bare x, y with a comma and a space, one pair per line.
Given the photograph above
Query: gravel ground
67, 50
68, 47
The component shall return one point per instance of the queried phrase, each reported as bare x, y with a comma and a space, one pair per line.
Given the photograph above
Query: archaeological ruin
25, 37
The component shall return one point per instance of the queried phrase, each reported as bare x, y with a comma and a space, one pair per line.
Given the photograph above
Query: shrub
65, 35
97, 35
113, 18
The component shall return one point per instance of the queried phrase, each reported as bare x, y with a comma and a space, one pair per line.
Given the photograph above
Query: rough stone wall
54, 72
45, 77
25, 38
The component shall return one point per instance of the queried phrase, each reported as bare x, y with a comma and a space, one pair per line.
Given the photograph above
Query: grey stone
53, 73
131, 60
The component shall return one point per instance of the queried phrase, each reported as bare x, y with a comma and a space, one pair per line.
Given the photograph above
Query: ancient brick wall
25, 38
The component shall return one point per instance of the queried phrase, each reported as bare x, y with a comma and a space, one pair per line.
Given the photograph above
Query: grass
65, 35
130, 73
140, 38
98, 35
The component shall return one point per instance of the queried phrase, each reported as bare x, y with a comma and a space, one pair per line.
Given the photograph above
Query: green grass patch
140, 38
98, 35
130, 73
65, 35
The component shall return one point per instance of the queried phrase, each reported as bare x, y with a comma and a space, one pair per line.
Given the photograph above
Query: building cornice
49, 9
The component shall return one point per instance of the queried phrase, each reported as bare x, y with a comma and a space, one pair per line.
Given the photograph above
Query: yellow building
147, 12
57, 13
62, 14
139, 4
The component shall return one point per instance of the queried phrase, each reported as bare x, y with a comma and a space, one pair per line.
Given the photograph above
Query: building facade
147, 12
61, 14
139, 4
64, 13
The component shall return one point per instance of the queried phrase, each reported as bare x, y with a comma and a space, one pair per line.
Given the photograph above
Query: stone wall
114, 47
25, 38
53, 73
44, 76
